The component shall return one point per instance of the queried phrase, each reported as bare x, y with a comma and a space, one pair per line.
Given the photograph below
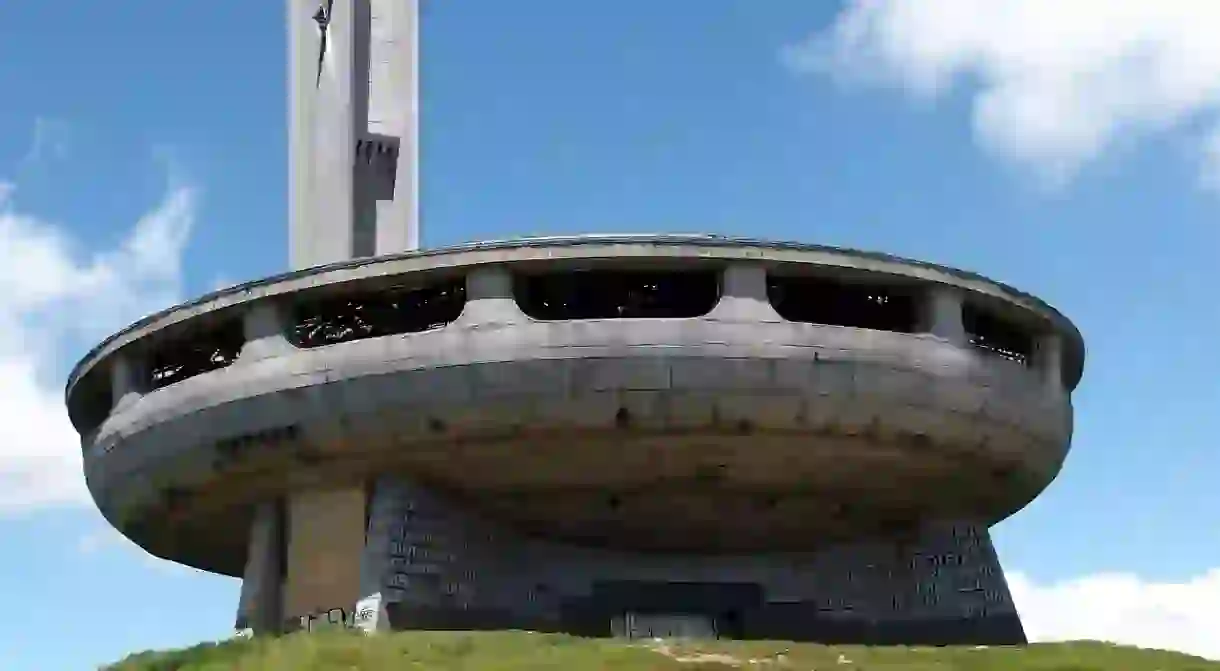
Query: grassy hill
522, 651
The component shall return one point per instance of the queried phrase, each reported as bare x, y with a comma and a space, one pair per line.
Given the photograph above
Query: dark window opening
615, 294
372, 315
195, 354
818, 300
993, 334
93, 402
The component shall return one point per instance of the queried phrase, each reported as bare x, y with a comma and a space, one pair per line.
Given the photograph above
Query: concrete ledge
584, 249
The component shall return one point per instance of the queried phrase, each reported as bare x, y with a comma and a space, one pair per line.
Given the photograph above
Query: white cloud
51, 296
1056, 83
1122, 608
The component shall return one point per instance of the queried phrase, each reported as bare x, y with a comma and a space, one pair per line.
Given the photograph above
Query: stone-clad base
428, 563
438, 566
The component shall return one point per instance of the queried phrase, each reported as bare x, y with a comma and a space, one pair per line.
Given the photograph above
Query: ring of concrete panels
730, 427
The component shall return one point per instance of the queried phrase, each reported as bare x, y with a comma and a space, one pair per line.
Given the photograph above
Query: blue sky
1071, 149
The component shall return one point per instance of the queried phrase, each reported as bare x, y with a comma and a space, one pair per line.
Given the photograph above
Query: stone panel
439, 565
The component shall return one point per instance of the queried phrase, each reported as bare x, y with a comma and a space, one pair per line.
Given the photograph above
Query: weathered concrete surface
804, 473
541, 420
353, 149
260, 605
732, 447
436, 564
615, 249
324, 542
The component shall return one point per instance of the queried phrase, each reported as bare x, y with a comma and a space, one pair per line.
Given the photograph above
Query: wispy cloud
1054, 84
51, 295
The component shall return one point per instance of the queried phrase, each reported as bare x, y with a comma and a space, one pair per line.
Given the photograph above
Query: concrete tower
353, 129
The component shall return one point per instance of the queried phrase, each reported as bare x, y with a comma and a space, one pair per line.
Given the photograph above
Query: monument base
431, 565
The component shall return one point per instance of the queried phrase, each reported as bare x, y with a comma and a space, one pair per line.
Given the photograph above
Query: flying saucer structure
637, 435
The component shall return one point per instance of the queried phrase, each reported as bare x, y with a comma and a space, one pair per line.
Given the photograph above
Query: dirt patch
660, 646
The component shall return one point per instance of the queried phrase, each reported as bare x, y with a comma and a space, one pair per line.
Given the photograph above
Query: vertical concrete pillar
743, 294
264, 328
258, 608
325, 116
304, 43
393, 104
334, 138
1048, 358
366, 93
325, 541
489, 297
128, 378
942, 313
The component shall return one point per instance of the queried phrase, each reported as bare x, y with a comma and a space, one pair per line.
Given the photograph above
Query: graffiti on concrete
331, 618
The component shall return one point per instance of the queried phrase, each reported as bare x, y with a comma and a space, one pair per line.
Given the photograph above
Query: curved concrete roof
591, 247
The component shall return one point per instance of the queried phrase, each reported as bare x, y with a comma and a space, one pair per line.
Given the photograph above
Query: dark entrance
637, 608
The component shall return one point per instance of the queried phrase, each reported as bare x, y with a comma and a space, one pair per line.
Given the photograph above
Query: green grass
522, 651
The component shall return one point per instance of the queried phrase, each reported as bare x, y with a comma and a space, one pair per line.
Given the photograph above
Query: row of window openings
580, 296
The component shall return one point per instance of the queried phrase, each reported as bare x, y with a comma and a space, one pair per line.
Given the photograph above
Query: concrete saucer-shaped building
770, 440
638, 435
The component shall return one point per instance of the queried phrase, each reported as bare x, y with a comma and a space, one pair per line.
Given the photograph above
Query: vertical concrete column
393, 111
489, 297
942, 313
304, 42
743, 294
325, 540
258, 608
264, 327
326, 115
128, 373
1049, 360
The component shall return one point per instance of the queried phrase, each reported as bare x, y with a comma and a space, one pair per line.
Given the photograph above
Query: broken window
993, 334
821, 300
375, 314
195, 353
618, 294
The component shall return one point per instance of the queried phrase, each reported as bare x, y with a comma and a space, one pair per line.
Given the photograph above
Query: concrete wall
325, 540
362, 102
433, 563
231, 436
260, 605
441, 566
